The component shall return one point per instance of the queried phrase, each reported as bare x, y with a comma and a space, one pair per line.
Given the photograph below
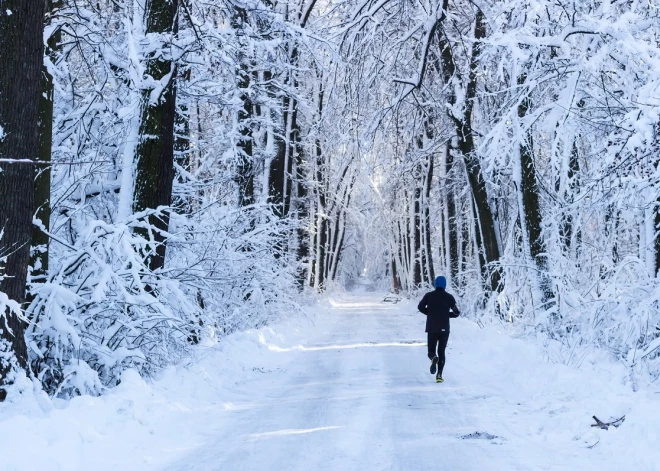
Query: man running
437, 306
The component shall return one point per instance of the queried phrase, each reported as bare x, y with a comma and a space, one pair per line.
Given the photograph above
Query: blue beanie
441, 282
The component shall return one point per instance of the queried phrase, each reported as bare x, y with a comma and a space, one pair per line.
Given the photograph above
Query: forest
173, 171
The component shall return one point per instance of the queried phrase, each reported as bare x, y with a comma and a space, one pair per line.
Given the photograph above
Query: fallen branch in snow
391, 299
592, 446
607, 425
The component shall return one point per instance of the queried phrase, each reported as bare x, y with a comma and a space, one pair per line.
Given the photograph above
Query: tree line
173, 171
513, 148
162, 181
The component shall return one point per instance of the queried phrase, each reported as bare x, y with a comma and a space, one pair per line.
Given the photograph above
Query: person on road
438, 306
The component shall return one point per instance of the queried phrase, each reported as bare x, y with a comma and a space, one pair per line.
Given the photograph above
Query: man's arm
422, 305
455, 312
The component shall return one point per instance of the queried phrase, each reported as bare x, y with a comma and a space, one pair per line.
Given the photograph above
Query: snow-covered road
357, 394
347, 389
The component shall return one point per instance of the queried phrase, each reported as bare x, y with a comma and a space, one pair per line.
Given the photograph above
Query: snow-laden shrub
233, 262
104, 311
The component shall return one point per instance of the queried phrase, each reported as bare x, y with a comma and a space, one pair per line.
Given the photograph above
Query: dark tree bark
182, 147
40, 239
566, 226
340, 244
489, 252
529, 186
339, 228
277, 178
396, 281
406, 239
530, 200
245, 167
302, 215
302, 202
531, 206
486, 235
416, 256
21, 59
466, 242
448, 69
612, 216
281, 168
657, 236
420, 253
321, 190
430, 272
452, 236
155, 149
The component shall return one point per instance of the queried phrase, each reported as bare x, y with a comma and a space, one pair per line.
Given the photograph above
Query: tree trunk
452, 229
321, 186
416, 249
183, 153
448, 70
21, 56
566, 226
485, 224
430, 271
340, 246
530, 200
280, 172
657, 236
277, 172
155, 149
302, 215
301, 191
396, 281
245, 166
40, 239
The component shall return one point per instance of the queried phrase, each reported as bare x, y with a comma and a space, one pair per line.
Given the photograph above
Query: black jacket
436, 305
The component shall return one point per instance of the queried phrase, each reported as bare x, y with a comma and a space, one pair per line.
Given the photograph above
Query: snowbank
137, 425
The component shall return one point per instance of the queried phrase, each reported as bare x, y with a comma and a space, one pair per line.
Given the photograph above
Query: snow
347, 387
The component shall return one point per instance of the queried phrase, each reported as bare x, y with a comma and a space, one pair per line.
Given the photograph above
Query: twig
605, 426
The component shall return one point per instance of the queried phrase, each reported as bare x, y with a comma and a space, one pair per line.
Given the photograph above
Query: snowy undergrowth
146, 425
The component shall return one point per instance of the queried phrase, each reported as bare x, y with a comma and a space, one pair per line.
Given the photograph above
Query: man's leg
432, 344
443, 337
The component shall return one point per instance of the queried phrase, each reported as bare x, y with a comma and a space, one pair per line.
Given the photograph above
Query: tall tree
448, 70
155, 149
429, 269
486, 235
452, 225
245, 170
21, 56
321, 189
530, 199
40, 239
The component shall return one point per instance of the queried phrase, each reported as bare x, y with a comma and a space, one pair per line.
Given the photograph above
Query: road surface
357, 395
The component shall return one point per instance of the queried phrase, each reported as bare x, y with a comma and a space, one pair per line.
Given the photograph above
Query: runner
438, 306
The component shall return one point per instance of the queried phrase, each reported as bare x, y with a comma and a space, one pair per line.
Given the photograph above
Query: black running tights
437, 342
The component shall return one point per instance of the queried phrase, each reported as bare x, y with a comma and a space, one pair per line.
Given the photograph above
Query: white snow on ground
348, 388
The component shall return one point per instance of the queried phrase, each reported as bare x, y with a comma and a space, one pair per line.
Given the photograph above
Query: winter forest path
358, 395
